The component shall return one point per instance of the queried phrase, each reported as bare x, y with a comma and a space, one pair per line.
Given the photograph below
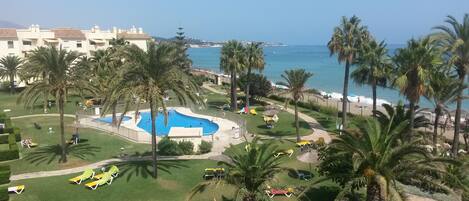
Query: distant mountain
7, 24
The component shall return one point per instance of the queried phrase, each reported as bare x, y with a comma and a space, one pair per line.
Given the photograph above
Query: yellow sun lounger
214, 169
106, 179
303, 143
286, 152
87, 174
16, 189
253, 111
113, 170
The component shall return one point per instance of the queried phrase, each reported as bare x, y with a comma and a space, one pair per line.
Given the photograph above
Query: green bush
4, 138
5, 174
4, 193
169, 147
205, 147
6, 155
187, 147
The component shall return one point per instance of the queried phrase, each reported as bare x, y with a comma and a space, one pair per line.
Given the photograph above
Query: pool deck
129, 130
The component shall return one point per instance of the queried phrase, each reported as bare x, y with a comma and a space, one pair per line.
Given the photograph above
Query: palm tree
248, 169
372, 159
444, 91
398, 114
346, 42
455, 41
9, 66
373, 64
152, 75
232, 61
64, 74
295, 81
254, 60
413, 66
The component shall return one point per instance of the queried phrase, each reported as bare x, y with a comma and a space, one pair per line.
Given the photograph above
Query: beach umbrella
309, 157
270, 113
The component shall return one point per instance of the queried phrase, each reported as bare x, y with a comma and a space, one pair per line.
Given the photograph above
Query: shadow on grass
321, 193
144, 169
51, 153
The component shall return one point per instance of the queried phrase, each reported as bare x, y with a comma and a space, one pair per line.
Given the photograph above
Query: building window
79, 45
92, 42
25, 42
10, 44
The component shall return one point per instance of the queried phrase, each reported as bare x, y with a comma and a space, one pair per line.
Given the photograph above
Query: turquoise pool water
175, 119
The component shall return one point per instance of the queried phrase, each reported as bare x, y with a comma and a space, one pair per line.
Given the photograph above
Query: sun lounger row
100, 179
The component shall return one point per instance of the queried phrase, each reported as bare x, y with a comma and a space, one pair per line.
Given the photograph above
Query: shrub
320, 142
187, 147
205, 147
259, 86
6, 155
4, 174
328, 110
4, 138
4, 193
169, 147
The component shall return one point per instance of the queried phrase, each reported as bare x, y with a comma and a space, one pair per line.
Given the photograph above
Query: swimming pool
109, 119
175, 119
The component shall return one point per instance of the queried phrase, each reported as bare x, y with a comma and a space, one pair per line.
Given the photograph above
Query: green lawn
17, 109
95, 146
176, 179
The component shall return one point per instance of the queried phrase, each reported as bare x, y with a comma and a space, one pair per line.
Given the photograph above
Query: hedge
13, 152
14, 130
4, 179
310, 105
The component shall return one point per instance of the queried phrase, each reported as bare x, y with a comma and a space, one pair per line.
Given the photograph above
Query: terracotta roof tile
69, 34
8, 33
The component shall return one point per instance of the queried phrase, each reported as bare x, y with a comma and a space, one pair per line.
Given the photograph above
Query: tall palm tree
248, 169
372, 159
346, 41
398, 114
151, 75
455, 40
414, 64
295, 81
444, 91
9, 67
254, 60
373, 65
232, 61
64, 74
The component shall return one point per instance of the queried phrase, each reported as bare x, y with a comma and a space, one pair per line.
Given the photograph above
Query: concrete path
105, 163
318, 130
42, 115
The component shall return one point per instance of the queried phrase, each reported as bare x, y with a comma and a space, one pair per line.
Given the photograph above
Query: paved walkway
318, 130
107, 162
42, 115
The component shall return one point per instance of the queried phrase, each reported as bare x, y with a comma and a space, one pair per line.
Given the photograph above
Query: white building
21, 41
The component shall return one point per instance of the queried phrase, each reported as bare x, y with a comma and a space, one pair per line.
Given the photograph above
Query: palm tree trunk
373, 88
12, 84
232, 91
345, 95
297, 123
153, 139
46, 94
248, 83
63, 158
435, 128
234, 105
114, 116
457, 117
373, 192
411, 121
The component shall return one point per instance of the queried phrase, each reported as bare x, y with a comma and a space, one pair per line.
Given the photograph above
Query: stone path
42, 115
318, 130
105, 163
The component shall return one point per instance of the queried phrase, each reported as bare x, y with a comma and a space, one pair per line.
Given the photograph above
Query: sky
300, 22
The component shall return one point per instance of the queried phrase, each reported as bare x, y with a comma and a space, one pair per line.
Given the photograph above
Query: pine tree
180, 41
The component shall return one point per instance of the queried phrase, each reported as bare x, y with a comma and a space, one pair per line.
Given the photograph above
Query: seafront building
20, 42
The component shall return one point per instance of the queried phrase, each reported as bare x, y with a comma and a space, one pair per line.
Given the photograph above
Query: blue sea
328, 73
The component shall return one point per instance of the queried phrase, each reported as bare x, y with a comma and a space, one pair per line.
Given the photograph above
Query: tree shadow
321, 193
143, 168
51, 153
302, 124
